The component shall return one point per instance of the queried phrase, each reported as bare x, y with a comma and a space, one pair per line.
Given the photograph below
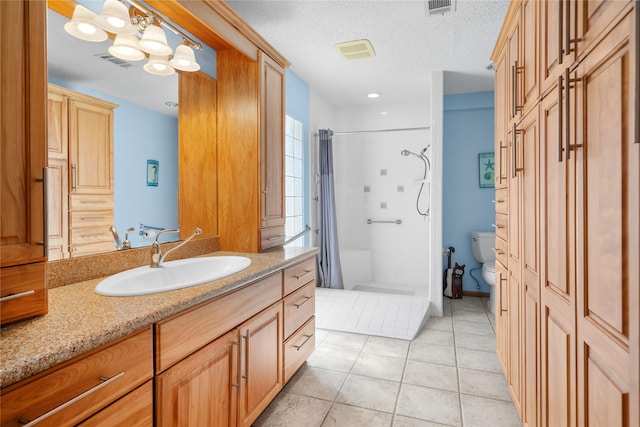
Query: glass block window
294, 189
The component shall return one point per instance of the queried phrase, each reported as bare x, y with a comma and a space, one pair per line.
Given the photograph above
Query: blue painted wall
468, 131
141, 134
297, 106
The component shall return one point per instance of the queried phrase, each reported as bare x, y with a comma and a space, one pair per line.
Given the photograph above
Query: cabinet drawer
501, 251
90, 219
185, 333
91, 248
502, 200
270, 237
501, 226
134, 409
91, 202
71, 393
79, 236
298, 275
299, 307
23, 292
298, 348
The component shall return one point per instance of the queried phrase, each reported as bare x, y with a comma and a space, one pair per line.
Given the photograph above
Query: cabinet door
202, 389
23, 151
501, 147
133, 410
502, 318
607, 237
557, 49
557, 298
90, 148
261, 363
529, 29
272, 142
514, 92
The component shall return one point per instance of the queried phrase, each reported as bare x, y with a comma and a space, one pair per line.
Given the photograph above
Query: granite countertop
79, 320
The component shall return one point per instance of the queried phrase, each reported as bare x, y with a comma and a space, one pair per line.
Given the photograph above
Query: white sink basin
172, 275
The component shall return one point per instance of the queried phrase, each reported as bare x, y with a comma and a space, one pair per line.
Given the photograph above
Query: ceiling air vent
440, 7
117, 61
356, 49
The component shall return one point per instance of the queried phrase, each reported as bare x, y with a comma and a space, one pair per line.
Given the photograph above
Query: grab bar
378, 221
297, 236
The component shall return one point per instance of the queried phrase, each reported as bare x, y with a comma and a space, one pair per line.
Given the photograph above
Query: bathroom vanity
213, 354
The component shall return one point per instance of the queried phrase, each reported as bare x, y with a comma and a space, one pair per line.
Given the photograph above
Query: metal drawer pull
277, 237
93, 202
16, 296
306, 299
105, 382
497, 226
303, 274
93, 218
93, 235
74, 178
497, 252
298, 347
497, 201
239, 378
246, 377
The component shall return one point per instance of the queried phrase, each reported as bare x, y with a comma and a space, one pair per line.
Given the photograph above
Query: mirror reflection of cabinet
80, 141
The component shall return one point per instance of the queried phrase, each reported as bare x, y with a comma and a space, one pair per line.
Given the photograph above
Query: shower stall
382, 209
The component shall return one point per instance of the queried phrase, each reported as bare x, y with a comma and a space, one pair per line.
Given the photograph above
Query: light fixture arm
155, 17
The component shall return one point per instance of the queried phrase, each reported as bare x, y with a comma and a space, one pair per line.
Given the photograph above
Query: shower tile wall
373, 181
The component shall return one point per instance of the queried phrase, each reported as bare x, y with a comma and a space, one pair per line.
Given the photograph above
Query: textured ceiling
409, 44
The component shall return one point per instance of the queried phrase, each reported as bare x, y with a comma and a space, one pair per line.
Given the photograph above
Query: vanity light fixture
154, 41
184, 59
125, 46
83, 27
159, 65
115, 18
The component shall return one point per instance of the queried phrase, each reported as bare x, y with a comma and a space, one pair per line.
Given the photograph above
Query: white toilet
482, 244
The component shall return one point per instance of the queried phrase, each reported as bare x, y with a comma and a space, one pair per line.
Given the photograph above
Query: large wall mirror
145, 134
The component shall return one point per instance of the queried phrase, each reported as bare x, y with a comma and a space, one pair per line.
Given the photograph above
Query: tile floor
447, 376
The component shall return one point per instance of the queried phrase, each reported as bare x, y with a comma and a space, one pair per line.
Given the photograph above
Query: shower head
409, 153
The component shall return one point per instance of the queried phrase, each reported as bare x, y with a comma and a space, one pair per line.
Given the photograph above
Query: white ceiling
409, 44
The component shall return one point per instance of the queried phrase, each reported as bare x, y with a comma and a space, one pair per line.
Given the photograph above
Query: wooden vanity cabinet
23, 161
82, 387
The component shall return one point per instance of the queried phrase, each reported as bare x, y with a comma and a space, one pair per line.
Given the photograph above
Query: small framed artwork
153, 170
487, 170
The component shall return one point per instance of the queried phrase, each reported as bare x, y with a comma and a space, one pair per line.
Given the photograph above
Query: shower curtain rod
379, 130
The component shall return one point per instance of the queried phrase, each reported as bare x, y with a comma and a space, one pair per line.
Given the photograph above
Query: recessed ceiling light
383, 113
373, 95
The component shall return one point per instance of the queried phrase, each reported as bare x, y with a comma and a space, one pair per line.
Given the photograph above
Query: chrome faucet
157, 258
116, 237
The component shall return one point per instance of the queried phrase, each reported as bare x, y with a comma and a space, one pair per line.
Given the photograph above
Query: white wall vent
440, 7
356, 49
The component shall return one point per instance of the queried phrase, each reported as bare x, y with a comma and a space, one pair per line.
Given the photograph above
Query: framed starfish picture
487, 170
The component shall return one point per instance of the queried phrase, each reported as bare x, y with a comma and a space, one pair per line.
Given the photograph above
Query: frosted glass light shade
115, 18
184, 59
125, 46
82, 26
154, 41
159, 65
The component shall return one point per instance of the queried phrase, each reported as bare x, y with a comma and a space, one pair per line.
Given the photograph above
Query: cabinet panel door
501, 152
608, 234
502, 317
202, 389
261, 366
23, 151
133, 410
529, 33
90, 148
272, 142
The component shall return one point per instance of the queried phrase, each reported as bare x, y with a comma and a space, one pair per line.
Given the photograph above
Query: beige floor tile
480, 360
476, 342
352, 416
370, 393
321, 334
434, 336
345, 341
387, 347
483, 412
431, 375
429, 404
400, 421
468, 327
291, 410
432, 353
484, 384
469, 304
316, 382
472, 316
439, 323
378, 366
332, 359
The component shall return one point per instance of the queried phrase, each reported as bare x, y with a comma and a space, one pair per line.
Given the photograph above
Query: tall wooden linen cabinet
567, 211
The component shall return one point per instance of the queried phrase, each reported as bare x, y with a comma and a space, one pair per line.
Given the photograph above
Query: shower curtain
329, 268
